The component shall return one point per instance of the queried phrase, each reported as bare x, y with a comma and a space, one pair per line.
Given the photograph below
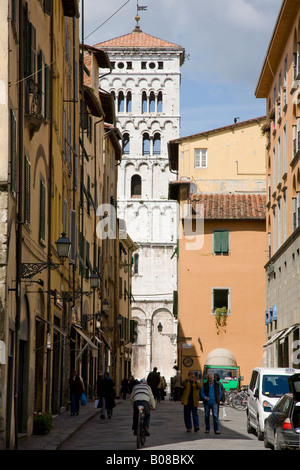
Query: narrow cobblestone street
167, 431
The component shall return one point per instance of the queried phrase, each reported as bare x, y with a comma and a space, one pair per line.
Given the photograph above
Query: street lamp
63, 246
105, 305
94, 280
28, 270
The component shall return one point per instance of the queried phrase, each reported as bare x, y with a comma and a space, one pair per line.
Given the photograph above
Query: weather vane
139, 8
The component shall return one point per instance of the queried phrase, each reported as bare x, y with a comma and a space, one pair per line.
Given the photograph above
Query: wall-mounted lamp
105, 305
94, 280
28, 270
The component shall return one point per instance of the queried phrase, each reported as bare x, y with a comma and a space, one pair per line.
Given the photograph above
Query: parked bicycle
239, 400
141, 437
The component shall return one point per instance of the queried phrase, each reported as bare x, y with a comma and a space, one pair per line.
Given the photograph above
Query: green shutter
175, 303
13, 154
217, 242
225, 241
27, 196
42, 211
47, 91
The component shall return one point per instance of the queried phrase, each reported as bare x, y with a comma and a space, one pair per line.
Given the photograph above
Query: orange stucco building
222, 246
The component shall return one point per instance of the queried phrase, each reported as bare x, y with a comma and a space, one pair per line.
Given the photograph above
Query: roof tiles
137, 39
230, 206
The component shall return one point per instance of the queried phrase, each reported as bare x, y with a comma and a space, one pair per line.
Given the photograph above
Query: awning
105, 341
38, 317
288, 331
275, 337
86, 338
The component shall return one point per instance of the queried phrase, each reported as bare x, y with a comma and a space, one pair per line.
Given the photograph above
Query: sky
225, 42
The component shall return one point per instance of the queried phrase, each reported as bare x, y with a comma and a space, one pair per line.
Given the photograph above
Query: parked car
266, 387
282, 426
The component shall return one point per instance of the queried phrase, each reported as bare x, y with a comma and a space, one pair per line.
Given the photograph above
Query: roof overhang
93, 102
100, 55
108, 105
282, 30
70, 8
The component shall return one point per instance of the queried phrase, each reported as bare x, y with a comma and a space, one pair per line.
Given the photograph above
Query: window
159, 102
144, 65
200, 158
144, 102
152, 102
146, 144
221, 242
136, 186
136, 264
129, 102
156, 144
220, 298
121, 102
160, 65
126, 143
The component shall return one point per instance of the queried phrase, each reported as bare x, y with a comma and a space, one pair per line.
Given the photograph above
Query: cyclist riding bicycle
142, 396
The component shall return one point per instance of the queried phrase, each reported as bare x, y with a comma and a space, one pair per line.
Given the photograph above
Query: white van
266, 386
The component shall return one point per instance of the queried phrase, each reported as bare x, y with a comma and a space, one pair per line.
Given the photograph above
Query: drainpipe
19, 216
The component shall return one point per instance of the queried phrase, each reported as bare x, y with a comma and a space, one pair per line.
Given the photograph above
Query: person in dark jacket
124, 387
109, 394
211, 396
153, 380
76, 390
100, 394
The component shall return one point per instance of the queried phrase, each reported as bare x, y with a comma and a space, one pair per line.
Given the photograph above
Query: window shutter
217, 242
225, 241
197, 158
48, 7
27, 180
73, 237
42, 231
203, 159
47, 91
13, 154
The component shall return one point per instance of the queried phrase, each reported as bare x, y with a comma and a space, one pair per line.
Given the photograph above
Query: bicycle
239, 400
140, 436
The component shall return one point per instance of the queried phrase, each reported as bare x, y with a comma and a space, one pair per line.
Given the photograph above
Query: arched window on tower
144, 102
135, 263
121, 102
136, 186
159, 102
126, 143
152, 102
156, 144
129, 102
146, 144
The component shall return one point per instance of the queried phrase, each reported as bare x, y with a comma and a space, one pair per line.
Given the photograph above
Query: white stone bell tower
145, 82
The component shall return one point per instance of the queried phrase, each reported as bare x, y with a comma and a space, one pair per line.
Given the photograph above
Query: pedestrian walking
177, 379
153, 380
100, 394
132, 383
77, 388
109, 394
222, 397
142, 396
190, 401
211, 395
124, 387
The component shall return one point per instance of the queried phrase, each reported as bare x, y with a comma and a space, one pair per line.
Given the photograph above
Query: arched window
152, 102
136, 264
156, 144
121, 102
146, 144
126, 143
129, 102
136, 186
144, 102
159, 102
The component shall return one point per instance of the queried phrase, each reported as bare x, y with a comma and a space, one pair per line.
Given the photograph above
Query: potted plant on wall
221, 318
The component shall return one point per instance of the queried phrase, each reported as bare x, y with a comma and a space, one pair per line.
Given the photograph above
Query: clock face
187, 361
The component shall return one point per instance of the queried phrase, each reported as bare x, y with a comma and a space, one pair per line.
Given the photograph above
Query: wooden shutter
225, 241
27, 182
217, 242
42, 211
73, 237
13, 154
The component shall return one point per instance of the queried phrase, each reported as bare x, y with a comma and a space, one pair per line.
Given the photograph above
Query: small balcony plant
221, 318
